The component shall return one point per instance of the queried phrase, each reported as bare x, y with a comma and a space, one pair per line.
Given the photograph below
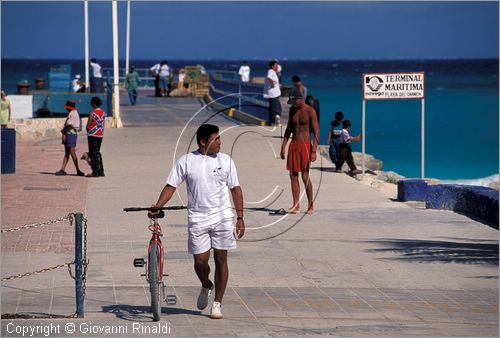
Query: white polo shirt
244, 72
208, 180
269, 91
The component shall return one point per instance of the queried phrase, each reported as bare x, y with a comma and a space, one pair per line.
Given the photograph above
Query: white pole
127, 55
423, 138
117, 123
363, 137
86, 25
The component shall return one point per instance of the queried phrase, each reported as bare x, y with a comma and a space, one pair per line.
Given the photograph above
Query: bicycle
155, 264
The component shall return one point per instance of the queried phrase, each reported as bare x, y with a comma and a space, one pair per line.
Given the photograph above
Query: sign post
394, 86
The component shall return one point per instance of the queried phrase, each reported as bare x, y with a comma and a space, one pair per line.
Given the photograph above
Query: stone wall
29, 130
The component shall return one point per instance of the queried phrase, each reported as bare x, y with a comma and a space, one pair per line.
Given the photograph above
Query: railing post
79, 265
239, 96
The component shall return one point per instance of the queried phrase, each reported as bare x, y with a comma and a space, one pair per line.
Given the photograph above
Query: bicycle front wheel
154, 281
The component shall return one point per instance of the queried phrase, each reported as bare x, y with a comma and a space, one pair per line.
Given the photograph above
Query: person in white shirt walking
210, 177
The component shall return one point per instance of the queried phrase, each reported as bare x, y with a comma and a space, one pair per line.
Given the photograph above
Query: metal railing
80, 262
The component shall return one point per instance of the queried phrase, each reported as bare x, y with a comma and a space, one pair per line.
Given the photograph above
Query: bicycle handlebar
174, 207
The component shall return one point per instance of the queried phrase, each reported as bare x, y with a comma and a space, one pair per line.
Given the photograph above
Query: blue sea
461, 108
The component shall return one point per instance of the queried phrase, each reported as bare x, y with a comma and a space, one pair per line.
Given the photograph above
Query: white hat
77, 76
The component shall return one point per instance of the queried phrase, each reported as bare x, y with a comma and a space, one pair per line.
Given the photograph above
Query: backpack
334, 146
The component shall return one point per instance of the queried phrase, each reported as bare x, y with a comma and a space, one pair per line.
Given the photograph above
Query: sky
255, 30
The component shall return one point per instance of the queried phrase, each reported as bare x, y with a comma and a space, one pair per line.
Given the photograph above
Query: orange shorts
299, 156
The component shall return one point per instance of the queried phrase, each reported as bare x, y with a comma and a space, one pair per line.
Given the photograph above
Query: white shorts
217, 236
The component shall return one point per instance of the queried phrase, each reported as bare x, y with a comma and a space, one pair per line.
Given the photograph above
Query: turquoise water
461, 108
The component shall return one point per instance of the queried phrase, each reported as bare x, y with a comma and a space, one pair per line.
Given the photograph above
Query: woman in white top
69, 138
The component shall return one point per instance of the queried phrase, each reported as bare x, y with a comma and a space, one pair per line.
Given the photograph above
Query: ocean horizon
461, 107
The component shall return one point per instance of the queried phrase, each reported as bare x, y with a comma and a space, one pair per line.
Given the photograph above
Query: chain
37, 225
69, 217
39, 271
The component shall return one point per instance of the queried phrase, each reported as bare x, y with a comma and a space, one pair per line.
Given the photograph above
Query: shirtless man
301, 123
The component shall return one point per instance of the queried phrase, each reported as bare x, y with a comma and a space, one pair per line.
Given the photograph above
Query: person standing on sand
301, 123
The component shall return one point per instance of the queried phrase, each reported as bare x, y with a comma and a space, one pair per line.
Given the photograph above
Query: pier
361, 265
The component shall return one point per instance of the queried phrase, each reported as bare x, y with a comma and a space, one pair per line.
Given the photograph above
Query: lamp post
116, 123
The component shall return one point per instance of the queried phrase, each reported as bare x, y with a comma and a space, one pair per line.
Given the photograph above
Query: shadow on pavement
421, 251
143, 313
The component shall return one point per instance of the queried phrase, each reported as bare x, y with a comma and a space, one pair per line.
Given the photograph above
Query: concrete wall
475, 201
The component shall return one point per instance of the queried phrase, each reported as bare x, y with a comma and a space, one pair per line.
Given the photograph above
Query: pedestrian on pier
132, 83
96, 81
164, 73
211, 178
345, 150
301, 124
272, 92
95, 134
155, 73
5, 110
244, 72
69, 138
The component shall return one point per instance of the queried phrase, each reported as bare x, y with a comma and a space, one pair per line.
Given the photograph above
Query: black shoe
60, 173
80, 173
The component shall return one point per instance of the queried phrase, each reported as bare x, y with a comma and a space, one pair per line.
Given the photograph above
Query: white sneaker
277, 120
215, 311
203, 297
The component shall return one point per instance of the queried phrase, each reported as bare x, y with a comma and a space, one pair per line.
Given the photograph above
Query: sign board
393, 86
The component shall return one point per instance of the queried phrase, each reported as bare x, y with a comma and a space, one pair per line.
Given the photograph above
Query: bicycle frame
155, 239
154, 270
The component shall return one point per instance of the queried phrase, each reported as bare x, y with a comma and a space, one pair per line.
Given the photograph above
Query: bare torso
300, 123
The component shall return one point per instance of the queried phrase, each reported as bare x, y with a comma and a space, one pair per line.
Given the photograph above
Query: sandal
278, 212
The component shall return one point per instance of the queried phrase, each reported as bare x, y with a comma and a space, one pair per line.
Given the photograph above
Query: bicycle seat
161, 214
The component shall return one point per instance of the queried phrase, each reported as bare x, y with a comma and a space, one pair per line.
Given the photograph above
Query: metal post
86, 25
239, 96
423, 139
79, 265
363, 137
127, 54
117, 122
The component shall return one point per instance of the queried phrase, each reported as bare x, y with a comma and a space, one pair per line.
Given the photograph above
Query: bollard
79, 265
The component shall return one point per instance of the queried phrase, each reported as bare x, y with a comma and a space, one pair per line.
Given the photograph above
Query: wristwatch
238, 218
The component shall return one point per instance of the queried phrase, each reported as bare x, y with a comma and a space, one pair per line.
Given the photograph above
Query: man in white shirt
210, 177
272, 92
96, 84
244, 72
77, 84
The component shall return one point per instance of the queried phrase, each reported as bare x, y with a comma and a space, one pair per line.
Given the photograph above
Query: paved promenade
361, 265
